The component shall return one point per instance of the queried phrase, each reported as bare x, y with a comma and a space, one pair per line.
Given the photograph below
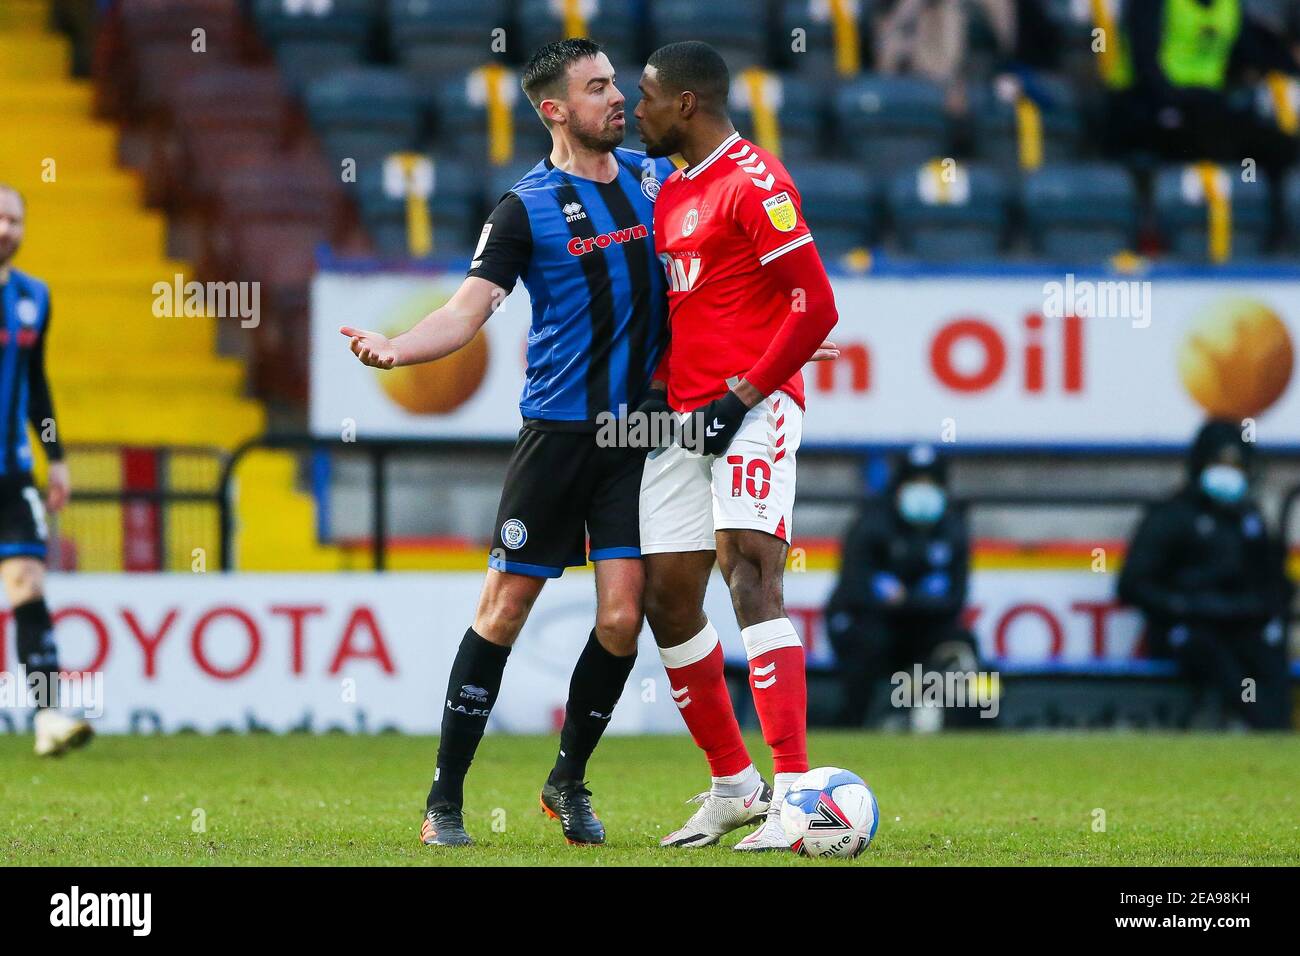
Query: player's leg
594, 689
538, 533
753, 501
22, 572
677, 541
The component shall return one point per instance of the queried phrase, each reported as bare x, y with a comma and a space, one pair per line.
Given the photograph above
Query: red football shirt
716, 225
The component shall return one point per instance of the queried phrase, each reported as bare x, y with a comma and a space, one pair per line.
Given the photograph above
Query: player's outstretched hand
826, 352
372, 348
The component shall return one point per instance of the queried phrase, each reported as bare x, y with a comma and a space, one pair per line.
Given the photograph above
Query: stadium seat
890, 122
453, 209
159, 41
1183, 215
500, 180
839, 202
733, 27
962, 217
437, 40
1083, 211
817, 61
997, 126
463, 119
611, 23
343, 22
1291, 208
303, 61
365, 113
796, 106
223, 117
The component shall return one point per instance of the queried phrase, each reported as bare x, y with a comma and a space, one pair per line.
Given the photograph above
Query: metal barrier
137, 508
378, 452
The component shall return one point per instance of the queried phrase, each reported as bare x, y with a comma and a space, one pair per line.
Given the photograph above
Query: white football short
686, 497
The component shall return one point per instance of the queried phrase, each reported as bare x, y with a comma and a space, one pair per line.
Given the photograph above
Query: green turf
955, 799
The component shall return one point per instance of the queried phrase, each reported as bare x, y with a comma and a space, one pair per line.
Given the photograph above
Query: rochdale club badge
650, 188
780, 209
514, 534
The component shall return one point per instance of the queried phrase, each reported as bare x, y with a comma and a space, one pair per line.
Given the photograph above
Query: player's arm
504, 249
782, 242
40, 413
441, 332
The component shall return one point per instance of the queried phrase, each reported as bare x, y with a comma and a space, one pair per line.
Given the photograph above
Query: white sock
780, 787
737, 784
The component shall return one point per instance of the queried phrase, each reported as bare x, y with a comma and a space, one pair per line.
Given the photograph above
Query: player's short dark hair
547, 70
695, 67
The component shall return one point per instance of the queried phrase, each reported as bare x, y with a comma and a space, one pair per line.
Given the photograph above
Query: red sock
700, 692
776, 677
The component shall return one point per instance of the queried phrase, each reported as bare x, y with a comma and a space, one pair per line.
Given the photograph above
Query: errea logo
573, 211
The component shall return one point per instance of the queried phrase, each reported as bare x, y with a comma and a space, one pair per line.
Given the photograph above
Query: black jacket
881, 541
1193, 561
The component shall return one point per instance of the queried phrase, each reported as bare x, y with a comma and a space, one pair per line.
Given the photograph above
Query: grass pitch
970, 799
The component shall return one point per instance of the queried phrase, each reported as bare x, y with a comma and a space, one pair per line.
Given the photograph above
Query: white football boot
57, 733
771, 835
718, 816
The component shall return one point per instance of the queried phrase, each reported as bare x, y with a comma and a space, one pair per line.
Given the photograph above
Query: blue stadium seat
438, 39
733, 27
798, 108
501, 179
462, 121
817, 59
365, 113
611, 23
1183, 218
964, 220
995, 128
303, 61
890, 122
839, 202
1080, 211
453, 209
348, 22
1291, 207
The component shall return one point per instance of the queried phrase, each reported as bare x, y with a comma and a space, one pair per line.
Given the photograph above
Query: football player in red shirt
749, 303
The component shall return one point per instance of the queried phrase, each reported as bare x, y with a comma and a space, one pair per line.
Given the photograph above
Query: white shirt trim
712, 157
790, 246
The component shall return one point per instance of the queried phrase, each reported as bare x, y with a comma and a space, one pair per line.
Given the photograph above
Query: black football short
561, 490
22, 518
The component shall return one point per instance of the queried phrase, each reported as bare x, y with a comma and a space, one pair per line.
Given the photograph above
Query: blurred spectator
1184, 83
902, 585
931, 38
1212, 583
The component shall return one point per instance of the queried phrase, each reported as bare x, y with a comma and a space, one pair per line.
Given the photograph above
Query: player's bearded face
599, 134
11, 225
656, 117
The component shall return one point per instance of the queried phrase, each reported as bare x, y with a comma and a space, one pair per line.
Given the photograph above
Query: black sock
594, 689
37, 653
471, 693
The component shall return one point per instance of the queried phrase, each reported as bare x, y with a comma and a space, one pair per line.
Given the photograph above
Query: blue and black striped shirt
586, 253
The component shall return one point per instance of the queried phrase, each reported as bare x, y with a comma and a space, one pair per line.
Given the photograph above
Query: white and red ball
829, 812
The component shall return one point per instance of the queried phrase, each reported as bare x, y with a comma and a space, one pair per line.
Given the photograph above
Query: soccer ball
829, 812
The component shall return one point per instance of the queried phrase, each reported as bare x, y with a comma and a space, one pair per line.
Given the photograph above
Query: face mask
921, 502
1225, 484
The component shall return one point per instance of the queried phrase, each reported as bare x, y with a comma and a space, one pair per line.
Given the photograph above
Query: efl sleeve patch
780, 210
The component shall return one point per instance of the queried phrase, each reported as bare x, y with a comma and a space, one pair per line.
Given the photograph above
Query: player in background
577, 229
749, 302
25, 397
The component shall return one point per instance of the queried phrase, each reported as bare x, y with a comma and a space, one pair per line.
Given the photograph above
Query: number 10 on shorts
756, 476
